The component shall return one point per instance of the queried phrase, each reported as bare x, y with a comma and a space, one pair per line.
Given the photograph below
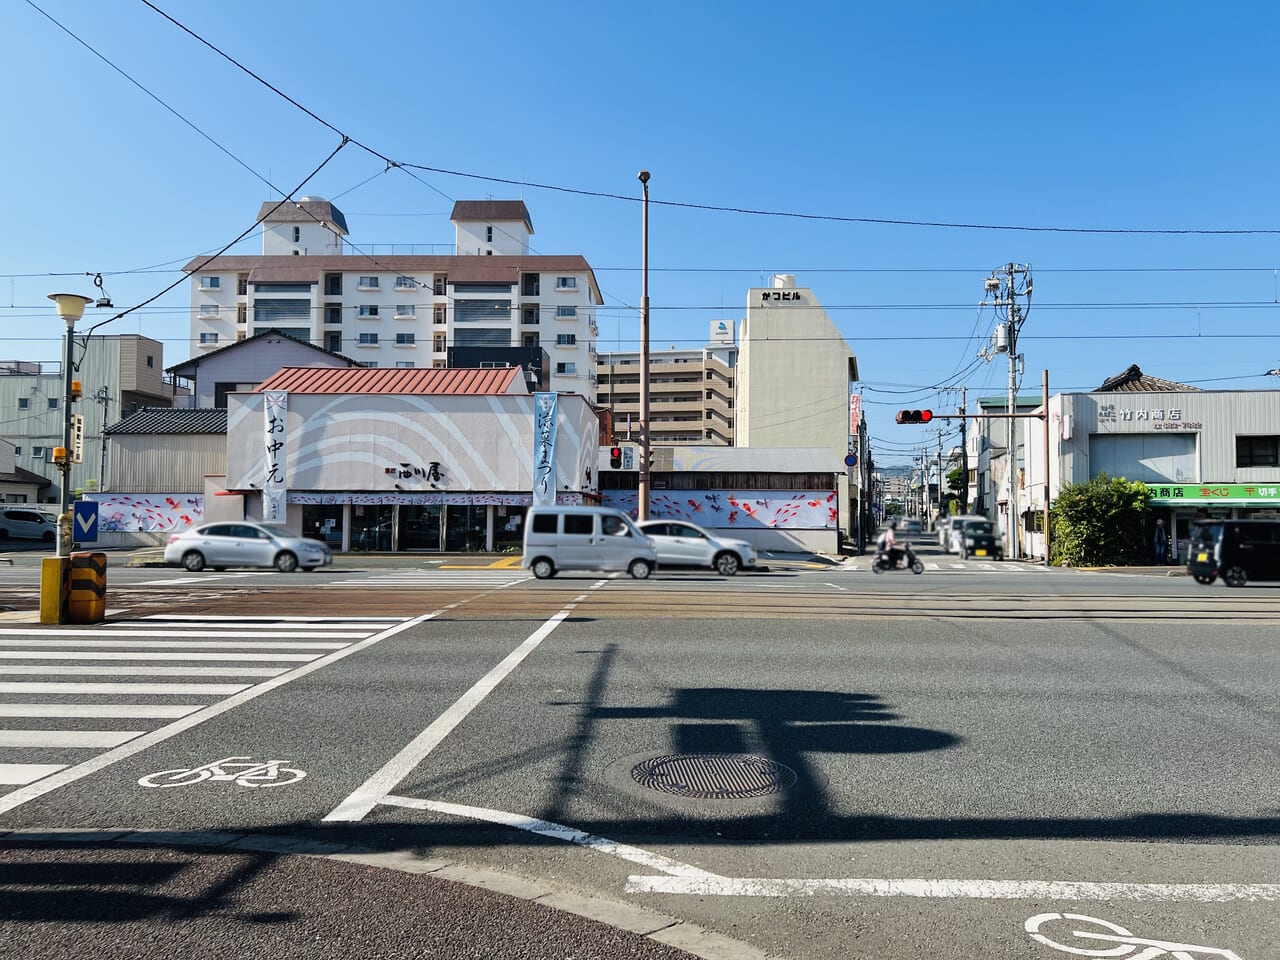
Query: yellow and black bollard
87, 597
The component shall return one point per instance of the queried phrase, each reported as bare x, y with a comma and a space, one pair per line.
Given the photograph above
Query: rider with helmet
888, 544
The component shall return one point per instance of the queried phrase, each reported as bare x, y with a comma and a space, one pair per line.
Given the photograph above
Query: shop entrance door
420, 527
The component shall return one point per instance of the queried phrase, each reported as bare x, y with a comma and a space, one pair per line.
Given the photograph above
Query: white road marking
73, 670
958, 889
222, 627
60, 778
20, 774
370, 793
299, 621
834, 587
66, 739
99, 711
147, 655
556, 831
932, 566
199, 578
178, 645
280, 634
219, 689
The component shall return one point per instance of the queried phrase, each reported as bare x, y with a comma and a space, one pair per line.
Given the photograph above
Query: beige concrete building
795, 376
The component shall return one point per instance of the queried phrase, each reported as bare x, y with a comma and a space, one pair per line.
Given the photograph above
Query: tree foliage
1100, 522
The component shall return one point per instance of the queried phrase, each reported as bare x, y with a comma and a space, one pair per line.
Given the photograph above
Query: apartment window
151, 361
566, 339
333, 342
405, 340
488, 234
406, 310
530, 284
23, 403
530, 340
207, 338
368, 339
566, 283
37, 453
439, 364
439, 343
568, 369
333, 284
242, 285
1258, 451
404, 363
210, 283
367, 311
566, 313
441, 282
53, 403
529, 315
438, 315
297, 234
405, 283
208, 309
242, 313
333, 313
368, 283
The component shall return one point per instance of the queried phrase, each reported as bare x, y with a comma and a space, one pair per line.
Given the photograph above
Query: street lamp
643, 512
70, 308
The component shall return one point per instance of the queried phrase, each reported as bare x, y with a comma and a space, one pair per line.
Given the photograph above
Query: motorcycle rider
888, 544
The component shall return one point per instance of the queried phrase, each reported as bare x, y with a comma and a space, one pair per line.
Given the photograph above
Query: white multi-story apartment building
491, 303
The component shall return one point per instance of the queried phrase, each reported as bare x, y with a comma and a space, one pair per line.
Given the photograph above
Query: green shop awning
1221, 494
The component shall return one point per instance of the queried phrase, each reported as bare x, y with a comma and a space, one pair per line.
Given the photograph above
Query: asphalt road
933, 763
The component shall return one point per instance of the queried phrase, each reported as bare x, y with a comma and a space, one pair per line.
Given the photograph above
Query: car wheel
1204, 578
543, 568
49, 537
1235, 577
286, 562
640, 569
726, 564
193, 560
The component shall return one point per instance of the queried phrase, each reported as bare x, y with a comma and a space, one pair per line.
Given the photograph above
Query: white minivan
584, 538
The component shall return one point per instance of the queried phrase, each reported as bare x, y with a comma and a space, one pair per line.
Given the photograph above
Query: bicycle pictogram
242, 771
1112, 940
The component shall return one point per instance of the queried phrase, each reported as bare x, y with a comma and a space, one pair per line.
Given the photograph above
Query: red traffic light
615, 457
914, 416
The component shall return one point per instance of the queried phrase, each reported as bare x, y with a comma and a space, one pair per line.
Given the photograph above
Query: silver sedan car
244, 544
679, 543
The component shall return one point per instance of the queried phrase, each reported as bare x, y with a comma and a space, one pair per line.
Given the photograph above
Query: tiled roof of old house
1134, 380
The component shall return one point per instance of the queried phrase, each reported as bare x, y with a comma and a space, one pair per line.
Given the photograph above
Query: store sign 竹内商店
1159, 418
1223, 494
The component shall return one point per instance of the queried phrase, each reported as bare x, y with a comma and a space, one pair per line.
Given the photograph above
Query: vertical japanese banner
544, 449
854, 401
274, 410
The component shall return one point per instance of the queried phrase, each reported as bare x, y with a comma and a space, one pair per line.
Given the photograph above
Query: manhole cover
714, 776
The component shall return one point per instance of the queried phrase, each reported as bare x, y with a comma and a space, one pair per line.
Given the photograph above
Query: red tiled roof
412, 380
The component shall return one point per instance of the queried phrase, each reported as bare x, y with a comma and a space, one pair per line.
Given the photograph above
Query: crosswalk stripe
67, 739
20, 774
73, 670
277, 634
25, 686
194, 655
173, 645
99, 711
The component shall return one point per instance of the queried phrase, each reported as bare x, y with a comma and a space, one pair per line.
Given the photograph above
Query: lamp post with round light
70, 309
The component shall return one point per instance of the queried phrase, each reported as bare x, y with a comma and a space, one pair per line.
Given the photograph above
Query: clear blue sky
1131, 116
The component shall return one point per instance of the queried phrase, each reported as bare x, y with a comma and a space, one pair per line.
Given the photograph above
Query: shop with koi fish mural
776, 499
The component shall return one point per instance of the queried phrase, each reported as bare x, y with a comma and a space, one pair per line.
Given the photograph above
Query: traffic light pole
642, 512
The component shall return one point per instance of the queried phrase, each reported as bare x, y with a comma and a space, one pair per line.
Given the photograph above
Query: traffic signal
76, 390
615, 457
914, 416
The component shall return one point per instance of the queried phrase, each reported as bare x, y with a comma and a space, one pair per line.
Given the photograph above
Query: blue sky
1102, 116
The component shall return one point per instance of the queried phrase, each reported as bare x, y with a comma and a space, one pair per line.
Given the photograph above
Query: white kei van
584, 538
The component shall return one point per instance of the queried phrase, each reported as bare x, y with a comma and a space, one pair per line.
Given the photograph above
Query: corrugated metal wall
146, 464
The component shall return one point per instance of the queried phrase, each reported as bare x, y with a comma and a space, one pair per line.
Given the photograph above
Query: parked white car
682, 544
244, 544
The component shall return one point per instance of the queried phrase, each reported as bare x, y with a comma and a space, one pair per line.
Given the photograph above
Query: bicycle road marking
37, 779
957, 889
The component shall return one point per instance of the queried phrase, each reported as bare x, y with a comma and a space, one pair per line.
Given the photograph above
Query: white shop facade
399, 460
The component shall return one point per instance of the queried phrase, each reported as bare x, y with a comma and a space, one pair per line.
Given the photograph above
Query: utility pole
964, 454
1005, 285
939, 517
103, 396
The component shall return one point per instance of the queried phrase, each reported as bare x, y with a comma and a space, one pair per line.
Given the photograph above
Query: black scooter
907, 561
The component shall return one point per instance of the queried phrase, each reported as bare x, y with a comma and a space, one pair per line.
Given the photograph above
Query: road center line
369, 794
556, 831
957, 889
71, 774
